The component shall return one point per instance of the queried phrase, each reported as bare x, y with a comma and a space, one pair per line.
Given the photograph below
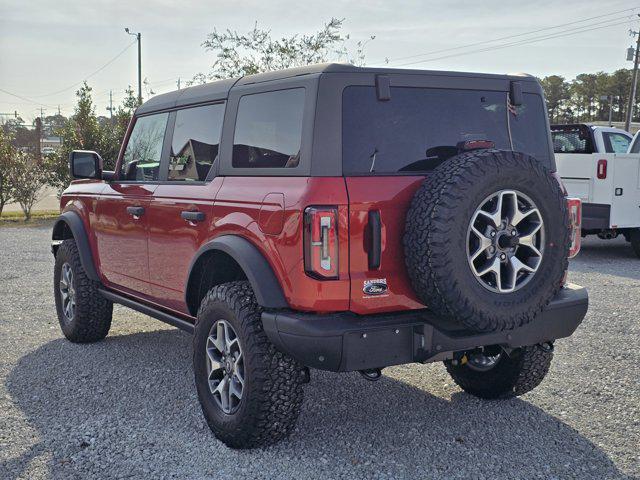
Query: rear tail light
602, 169
575, 220
321, 242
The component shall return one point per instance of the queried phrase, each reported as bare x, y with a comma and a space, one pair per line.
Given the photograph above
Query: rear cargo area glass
419, 128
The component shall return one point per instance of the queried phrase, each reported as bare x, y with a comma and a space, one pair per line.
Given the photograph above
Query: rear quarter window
268, 131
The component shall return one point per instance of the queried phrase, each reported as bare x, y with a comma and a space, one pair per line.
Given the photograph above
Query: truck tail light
321, 242
575, 220
602, 169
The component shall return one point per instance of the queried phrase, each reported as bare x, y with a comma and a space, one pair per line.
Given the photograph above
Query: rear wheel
492, 373
250, 393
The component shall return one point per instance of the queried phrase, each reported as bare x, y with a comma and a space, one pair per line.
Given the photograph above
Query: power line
433, 52
521, 42
90, 75
29, 100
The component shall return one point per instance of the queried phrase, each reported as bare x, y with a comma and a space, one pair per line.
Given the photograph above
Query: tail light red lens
602, 169
575, 220
321, 242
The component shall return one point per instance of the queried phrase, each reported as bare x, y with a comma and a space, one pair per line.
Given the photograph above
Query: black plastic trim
375, 239
264, 282
148, 310
75, 224
596, 216
346, 342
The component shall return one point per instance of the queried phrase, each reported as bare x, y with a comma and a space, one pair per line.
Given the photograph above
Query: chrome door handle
193, 216
135, 211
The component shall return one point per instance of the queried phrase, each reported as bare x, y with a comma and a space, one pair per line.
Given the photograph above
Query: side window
195, 143
141, 161
615, 142
268, 130
635, 148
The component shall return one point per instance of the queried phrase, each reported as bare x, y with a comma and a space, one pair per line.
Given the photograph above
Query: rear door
121, 223
388, 149
181, 209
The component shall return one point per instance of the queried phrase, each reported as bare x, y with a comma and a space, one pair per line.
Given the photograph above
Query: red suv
332, 217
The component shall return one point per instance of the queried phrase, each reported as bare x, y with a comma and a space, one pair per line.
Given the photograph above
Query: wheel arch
228, 258
69, 225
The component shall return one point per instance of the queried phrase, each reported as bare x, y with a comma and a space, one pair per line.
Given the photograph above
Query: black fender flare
263, 280
73, 221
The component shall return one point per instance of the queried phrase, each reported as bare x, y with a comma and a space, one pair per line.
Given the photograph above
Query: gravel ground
126, 407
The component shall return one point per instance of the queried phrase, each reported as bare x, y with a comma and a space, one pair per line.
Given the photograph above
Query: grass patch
37, 218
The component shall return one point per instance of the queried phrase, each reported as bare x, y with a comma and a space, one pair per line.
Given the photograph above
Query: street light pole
632, 97
139, 39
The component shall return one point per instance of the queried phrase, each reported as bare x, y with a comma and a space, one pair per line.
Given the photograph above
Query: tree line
588, 96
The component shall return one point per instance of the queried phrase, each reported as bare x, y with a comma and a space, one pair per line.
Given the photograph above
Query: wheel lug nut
503, 256
493, 233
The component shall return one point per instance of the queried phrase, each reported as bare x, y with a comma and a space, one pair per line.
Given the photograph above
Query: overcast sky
49, 46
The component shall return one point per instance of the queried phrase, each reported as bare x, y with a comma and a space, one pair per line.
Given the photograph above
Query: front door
121, 223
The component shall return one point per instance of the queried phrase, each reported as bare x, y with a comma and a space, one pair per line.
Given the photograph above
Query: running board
147, 310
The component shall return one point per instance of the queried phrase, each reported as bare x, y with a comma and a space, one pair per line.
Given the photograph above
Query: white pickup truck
596, 167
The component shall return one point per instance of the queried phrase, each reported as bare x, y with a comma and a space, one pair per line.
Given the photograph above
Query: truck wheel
250, 393
84, 314
634, 238
498, 375
487, 239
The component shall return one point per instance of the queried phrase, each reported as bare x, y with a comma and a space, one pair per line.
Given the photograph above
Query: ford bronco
329, 217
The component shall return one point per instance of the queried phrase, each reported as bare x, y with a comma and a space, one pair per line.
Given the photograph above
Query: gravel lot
126, 407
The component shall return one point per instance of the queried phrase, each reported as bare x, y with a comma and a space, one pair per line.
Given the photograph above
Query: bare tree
7, 157
256, 51
27, 177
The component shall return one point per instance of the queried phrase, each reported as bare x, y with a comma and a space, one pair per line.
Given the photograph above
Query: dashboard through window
268, 131
141, 160
195, 142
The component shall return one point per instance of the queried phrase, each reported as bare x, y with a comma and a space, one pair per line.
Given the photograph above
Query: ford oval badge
375, 287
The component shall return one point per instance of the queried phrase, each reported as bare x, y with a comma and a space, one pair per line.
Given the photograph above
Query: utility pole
608, 98
139, 39
110, 107
178, 83
632, 97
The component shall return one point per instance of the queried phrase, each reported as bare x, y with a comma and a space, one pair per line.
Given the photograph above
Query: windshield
419, 128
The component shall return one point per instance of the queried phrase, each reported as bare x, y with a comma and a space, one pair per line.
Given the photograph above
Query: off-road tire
272, 395
513, 375
92, 319
436, 235
634, 238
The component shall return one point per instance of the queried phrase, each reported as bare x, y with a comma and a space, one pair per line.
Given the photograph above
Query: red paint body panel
391, 196
149, 257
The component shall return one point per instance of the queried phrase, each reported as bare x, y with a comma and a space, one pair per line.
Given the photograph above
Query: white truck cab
596, 167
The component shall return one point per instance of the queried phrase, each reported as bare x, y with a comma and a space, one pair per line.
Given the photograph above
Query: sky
48, 48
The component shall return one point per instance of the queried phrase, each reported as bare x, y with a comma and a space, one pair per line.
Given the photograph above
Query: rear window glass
571, 139
269, 130
419, 128
615, 142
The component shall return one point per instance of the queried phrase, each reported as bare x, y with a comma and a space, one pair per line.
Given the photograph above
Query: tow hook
546, 346
371, 374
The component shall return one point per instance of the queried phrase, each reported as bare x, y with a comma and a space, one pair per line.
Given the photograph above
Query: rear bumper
343, 342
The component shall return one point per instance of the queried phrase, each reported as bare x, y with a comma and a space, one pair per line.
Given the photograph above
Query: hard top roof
219, 90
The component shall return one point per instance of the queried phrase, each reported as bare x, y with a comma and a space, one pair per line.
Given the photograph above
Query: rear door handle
375, 239
193, 216
135, 211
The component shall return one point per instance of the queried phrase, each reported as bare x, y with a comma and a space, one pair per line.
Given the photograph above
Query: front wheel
250, 393
492, 373
84, 314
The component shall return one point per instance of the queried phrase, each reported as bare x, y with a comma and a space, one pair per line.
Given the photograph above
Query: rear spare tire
487, 239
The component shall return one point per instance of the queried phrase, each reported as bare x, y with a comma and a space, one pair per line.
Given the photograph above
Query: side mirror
85, 164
